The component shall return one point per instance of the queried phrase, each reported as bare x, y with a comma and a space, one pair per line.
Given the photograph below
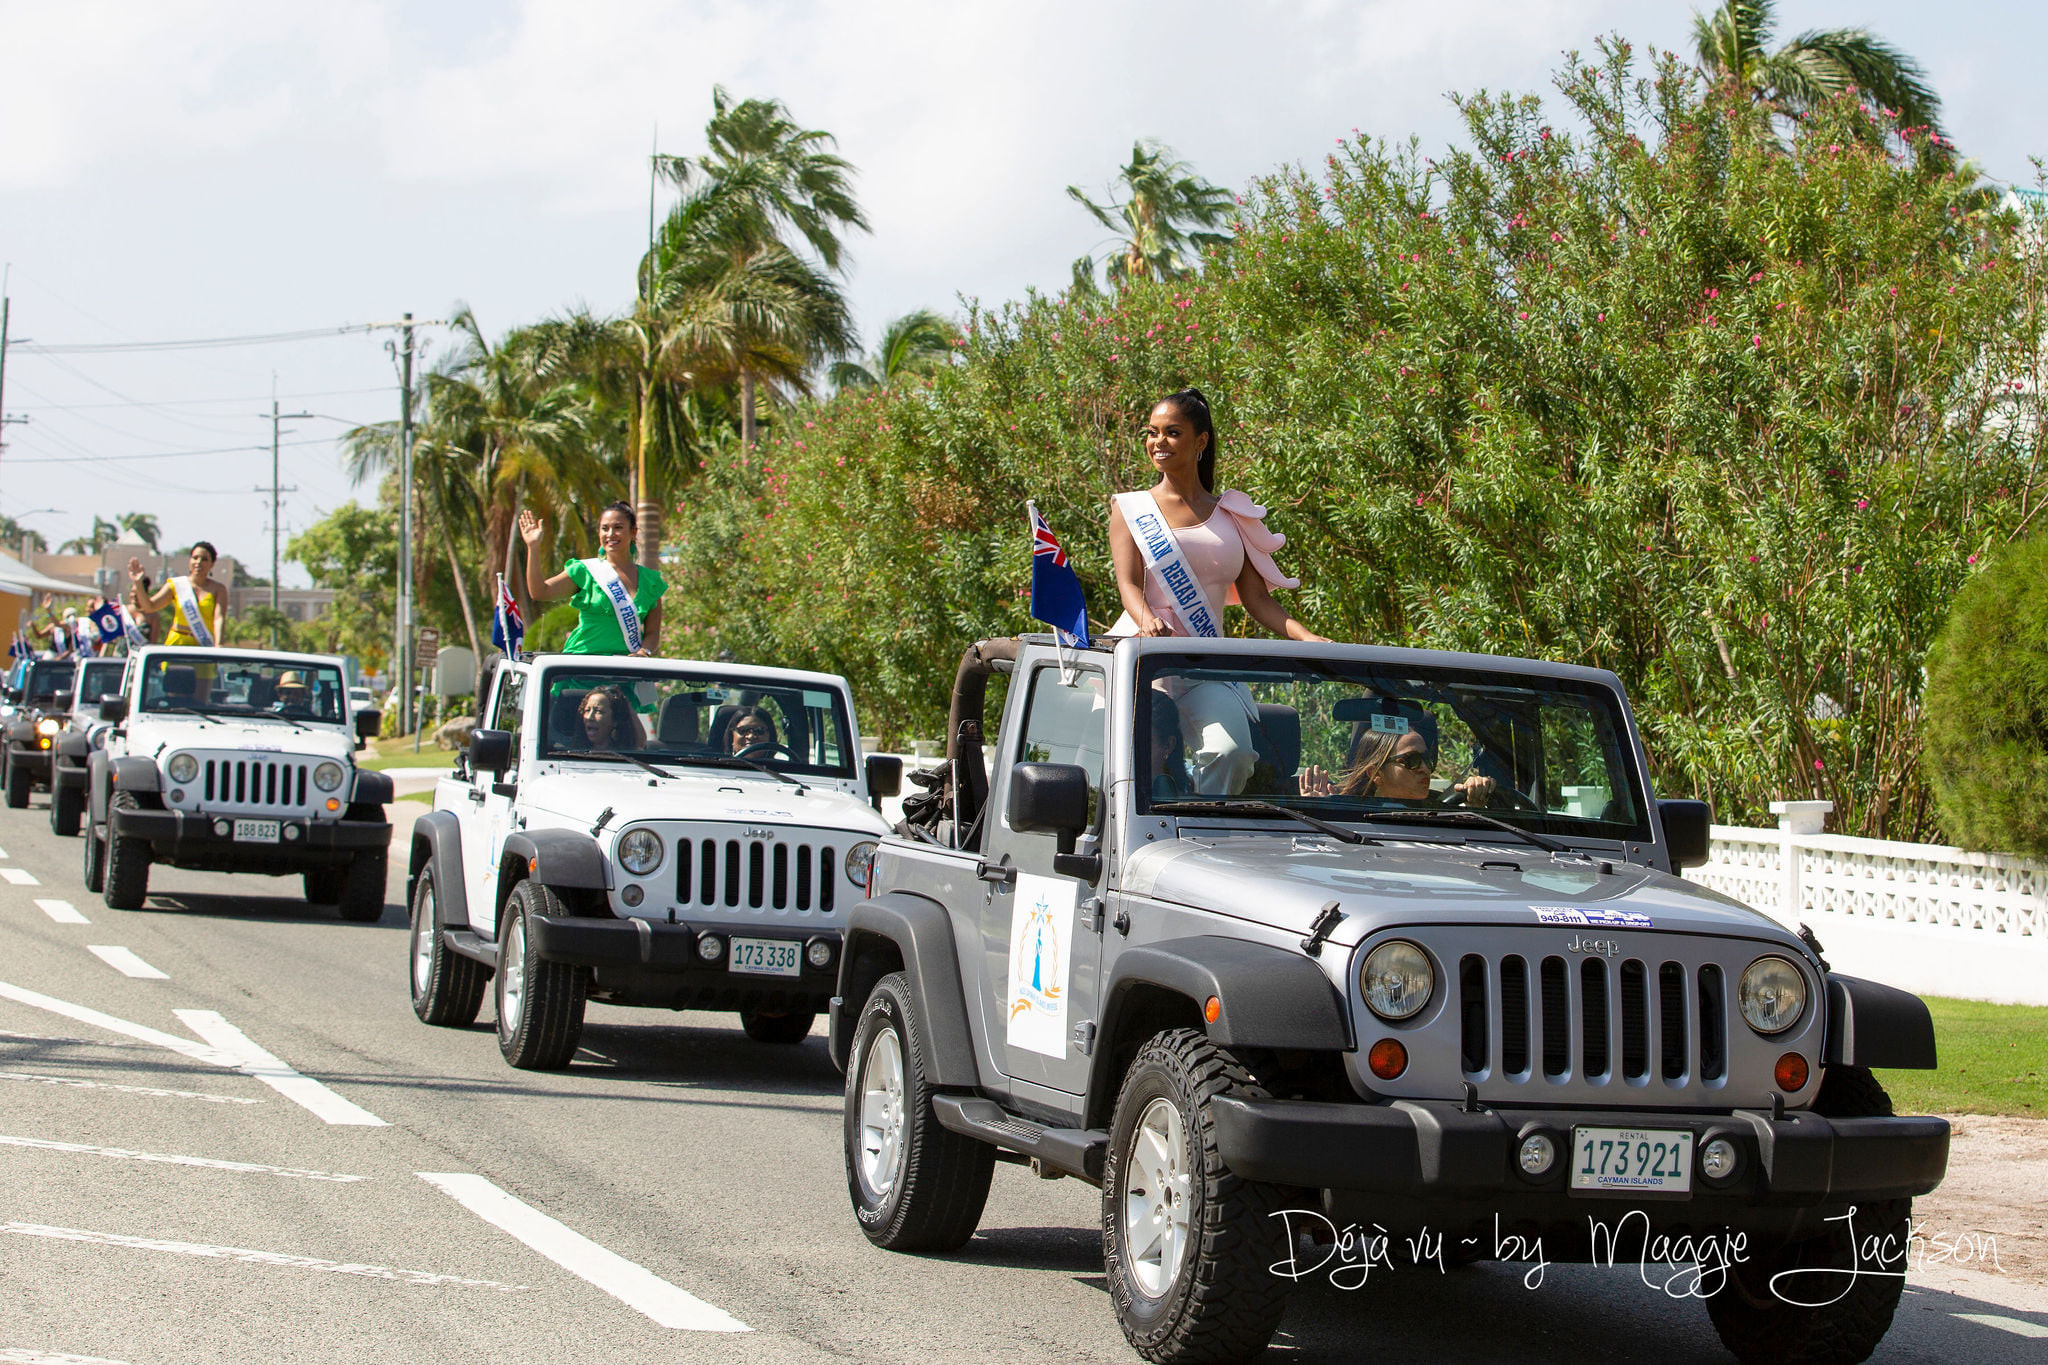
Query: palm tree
1733, 43
1161, 219
143, 526
15, 536
104, 533
914, 344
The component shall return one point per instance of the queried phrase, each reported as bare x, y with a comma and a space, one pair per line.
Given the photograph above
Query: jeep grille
253, 784
757, 874
1537, 1019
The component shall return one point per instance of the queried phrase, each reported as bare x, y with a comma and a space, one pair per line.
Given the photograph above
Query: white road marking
198, 1052
64, 912
81, 1084
249, 1257
2003, 1324
632, 1284
124, 961
124, 1154
254, 1061
29, 1355
3, 853
19, 876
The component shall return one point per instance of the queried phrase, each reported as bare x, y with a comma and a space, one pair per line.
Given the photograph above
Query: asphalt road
173, 1185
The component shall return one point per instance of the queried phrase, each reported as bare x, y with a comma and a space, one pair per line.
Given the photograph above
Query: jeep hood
581, 792
1285, 882
258, 739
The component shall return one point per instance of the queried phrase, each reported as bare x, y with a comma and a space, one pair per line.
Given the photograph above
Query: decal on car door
1041, 951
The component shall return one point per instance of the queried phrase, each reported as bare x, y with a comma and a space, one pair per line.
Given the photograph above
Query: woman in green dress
618, 602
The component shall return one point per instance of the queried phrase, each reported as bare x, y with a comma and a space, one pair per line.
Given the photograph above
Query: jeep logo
1606, 947
752, 833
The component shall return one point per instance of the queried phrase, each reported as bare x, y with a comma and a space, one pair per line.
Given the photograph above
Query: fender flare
1269, 997
563, 859
437, 840
922, 933
95, 790
372, 789
1875, 1025
73, 746
137, 775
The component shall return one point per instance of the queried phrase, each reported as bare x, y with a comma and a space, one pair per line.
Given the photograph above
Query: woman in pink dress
1222, 541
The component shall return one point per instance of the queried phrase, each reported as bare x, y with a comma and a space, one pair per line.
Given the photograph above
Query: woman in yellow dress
199, 606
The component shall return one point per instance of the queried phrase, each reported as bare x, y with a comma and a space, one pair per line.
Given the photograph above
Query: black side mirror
1688, 831
369, 724
490, 751
1052, 798
885, 776
114, 707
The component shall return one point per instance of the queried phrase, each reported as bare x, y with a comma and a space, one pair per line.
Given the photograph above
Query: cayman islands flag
508, 628
1056, 596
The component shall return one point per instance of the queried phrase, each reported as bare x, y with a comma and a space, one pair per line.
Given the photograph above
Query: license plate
257, 831
1632, 1160
766, 956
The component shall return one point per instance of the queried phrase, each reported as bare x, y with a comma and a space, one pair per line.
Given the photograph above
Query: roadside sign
429, 638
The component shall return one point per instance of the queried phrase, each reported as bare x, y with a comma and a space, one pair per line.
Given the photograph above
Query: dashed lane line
29, 1355
79, 1083
248, 1256
125, 961
166, 1159
225, 1046
253, 1060
19, 876
2016, 1326
631, 1284
64, 912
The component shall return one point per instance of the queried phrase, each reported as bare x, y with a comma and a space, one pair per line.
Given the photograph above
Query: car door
1042, 932
489, 814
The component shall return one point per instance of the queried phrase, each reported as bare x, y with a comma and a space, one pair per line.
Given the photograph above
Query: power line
160, 454
201, 402
210, 343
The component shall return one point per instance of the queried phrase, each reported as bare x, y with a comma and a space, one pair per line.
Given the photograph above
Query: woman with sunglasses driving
1395, 760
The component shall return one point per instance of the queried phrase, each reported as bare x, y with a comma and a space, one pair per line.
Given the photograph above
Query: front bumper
32, 759
645, 962
1440, 1151
188, 839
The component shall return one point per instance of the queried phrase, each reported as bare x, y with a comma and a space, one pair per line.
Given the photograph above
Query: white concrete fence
1923, 917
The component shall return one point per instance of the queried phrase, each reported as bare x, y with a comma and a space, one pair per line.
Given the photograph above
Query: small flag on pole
507, 626
1056, 596
106, 619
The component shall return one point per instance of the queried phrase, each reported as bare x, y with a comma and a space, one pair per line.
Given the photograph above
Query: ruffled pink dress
1216, 551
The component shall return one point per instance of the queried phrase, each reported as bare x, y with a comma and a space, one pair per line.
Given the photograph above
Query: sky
214, 169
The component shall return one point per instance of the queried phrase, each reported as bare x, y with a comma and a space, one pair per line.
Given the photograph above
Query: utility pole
5, 420
275, 560
405, 640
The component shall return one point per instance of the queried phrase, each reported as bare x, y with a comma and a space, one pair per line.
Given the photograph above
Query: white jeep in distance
655, 832
236, 760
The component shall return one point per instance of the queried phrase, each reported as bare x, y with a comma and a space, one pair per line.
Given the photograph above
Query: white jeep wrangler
236, 760
655, 832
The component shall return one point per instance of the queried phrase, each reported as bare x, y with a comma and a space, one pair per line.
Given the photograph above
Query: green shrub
1987, 706
1655, 391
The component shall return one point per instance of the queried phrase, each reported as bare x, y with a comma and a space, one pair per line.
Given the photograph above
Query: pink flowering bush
1656, 392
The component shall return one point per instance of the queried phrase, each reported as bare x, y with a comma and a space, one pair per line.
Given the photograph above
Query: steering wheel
1505, 796
763, 748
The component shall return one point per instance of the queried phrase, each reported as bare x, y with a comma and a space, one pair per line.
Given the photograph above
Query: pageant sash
188, 603
1163, 557
614, 589
132, 628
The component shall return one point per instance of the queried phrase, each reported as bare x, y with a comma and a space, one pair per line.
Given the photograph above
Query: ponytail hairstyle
624, 509
1194, 406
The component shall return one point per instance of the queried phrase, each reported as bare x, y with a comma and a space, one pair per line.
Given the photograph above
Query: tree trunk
462, 595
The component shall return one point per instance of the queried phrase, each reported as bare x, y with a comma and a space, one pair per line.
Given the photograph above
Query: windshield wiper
613, 754
1434, 817
735, 761
1349, 836
181, 711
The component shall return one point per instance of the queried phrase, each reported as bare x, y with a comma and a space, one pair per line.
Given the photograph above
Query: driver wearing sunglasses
1396, 762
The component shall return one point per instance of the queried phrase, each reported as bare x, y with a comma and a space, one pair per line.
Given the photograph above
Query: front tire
19, 780
447, 988
916, 1185
127, 872
1751, 1313
1187, 1244
779, 1029
362, 887
540, 1003
67, 804
94, 870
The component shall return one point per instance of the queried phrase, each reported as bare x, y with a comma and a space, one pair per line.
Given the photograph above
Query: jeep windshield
698, 717
99, 678
276, 689
49, 679
1455, 750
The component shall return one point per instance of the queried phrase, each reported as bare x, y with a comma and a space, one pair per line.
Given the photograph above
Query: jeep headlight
1772, 994
183, 767
640, 851
860, 862
1396, 980
47, 727
327, 777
